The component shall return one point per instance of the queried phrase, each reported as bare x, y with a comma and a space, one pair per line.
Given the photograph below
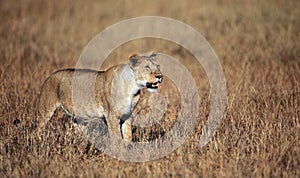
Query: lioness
117, 91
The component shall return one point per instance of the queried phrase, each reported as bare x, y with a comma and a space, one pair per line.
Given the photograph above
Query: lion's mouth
152, 85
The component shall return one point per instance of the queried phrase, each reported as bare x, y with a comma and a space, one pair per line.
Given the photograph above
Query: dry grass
257, 43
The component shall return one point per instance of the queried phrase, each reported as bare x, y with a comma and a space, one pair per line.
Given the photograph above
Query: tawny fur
116, 94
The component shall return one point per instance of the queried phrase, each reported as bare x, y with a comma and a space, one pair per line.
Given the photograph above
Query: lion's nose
159, 78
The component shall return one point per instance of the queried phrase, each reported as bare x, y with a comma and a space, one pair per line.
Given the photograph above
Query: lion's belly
88, 113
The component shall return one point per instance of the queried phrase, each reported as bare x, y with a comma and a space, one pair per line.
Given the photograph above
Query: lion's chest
123, 106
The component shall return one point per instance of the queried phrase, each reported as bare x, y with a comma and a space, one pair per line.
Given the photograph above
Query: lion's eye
148, 68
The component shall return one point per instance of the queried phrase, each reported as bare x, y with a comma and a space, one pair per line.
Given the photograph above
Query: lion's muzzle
154, 85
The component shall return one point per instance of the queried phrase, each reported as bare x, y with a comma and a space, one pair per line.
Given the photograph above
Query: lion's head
147, 70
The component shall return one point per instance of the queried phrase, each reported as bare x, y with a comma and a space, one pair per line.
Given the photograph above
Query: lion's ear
134, 60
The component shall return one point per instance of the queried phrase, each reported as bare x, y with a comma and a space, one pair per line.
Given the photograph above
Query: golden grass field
257, 43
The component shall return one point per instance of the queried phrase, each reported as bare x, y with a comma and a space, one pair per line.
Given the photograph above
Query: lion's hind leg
48, 104
46, 109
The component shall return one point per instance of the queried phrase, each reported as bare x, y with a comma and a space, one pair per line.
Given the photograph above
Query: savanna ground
257, 43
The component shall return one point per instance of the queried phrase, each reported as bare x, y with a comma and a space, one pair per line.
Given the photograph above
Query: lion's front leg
126, 130
120, 126
125, 127
114, 124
